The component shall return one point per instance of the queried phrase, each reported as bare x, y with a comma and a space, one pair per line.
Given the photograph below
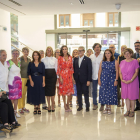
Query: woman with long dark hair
65, 73
108, 80
36, 90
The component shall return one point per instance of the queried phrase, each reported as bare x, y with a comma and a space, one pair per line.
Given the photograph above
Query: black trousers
82, 88
137, 103
7, 112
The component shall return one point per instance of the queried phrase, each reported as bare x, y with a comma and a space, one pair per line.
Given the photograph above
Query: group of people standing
117, 75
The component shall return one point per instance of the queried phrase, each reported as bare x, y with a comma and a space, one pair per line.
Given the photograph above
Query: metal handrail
19, 50
22, 43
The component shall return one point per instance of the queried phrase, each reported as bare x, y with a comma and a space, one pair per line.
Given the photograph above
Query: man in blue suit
82, 76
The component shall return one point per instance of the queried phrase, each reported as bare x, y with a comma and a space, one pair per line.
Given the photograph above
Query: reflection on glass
61, 20
75, 40
61, 40
67, 20
97, 38
113, 39
110, 20
85, 22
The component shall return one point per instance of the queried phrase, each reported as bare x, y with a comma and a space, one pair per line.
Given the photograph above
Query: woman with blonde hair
89, 52
50, 63
74, 54
56, 55
120, 58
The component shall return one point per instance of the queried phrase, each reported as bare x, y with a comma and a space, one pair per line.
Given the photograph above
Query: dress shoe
79, 109
137, 108
87, 109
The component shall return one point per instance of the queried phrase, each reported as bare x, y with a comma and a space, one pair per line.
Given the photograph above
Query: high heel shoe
39, 111
53, 110
35, 111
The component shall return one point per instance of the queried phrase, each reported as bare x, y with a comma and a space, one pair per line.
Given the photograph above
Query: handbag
3, 97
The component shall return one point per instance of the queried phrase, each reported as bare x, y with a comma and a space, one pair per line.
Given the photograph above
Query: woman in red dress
65, 73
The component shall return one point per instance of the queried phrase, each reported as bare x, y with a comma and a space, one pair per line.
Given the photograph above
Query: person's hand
99, 82
0, 94
128, 82
61, 80
57, 81
115, 83
43, 84
32, 83
124, 81
73, 81
138, 59
88, 83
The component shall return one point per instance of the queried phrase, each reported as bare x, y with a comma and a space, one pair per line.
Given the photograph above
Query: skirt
50, 81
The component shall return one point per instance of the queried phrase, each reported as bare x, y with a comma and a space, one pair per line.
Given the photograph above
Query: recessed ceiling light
71, 3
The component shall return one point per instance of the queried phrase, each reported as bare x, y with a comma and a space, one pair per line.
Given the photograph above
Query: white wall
5, 36
32, 31
131, 19
100, 20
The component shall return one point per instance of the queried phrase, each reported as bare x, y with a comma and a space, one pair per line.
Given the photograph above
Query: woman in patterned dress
108, 80
65, 73
14, 80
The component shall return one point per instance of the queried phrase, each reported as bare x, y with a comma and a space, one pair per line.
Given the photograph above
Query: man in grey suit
136, 56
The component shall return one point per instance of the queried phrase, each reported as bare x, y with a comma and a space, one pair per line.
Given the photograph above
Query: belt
36, 74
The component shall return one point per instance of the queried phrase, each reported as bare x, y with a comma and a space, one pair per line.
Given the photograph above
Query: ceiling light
118, 6
82, 1
71, 3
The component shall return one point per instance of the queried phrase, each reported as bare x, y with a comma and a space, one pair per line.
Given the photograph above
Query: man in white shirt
3, 71
96, 58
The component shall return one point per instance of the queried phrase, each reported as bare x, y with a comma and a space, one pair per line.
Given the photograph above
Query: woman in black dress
50, 63
36, 86
120, 58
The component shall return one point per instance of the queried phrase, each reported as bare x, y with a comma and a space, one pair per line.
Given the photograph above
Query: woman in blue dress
36, 86
108, 80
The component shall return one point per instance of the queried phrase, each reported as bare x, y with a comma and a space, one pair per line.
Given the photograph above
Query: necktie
137, 55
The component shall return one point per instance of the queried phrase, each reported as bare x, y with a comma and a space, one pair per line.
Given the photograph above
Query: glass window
67, 18
91, 23
110, 20
61, 40
61, 20
113, 39
85, 22
75, 40
116, 19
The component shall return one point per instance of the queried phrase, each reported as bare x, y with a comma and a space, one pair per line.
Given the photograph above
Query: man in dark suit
83, 77
136, 56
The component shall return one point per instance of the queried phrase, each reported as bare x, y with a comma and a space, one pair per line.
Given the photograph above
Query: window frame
65, 20
113, 18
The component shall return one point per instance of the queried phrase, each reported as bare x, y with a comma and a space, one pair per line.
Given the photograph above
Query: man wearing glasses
83, 76
112, 47
116, 55
136, 56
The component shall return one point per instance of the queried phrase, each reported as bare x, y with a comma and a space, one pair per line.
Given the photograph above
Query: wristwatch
116, 80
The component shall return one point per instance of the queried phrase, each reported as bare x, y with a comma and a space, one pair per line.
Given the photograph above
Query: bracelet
116, 80
132, 80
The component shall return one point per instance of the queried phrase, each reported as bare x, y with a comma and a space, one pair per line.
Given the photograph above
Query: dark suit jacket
84, 73
134, 56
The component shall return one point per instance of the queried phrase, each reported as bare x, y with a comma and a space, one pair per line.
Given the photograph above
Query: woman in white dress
14, 80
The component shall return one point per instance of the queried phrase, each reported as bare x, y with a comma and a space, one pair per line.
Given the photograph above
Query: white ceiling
49, 7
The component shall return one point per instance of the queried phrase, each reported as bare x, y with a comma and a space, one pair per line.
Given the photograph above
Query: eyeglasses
80, 50
137, 45
111, 47
57, 52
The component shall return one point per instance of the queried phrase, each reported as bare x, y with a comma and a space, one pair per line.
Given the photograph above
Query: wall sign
137, 28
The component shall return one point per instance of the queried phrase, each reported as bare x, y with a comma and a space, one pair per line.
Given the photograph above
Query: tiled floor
74, 125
